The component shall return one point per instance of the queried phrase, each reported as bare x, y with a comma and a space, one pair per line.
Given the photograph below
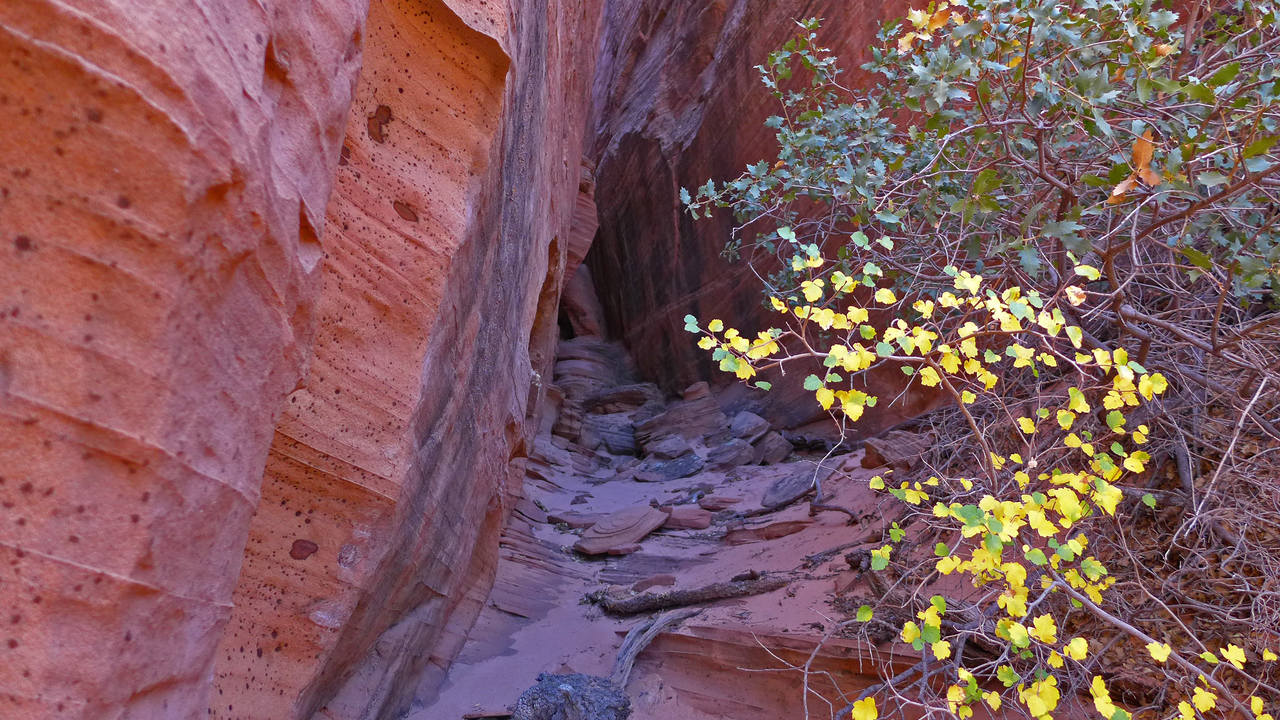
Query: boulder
772, 448
662, 470
795, 485
623, 398
618, 532
692, 419
613, 431
897, 448
732, 454
748, 426
669, 447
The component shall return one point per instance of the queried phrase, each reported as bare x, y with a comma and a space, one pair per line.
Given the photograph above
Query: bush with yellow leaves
1062, 216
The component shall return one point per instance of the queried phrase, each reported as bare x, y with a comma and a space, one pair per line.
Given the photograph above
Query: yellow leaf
1065, 419
706, 343
1270, 656
910, 632
1159, 651
1234, 655
1101, 698
1133, 464
967, 397
865, 709
1075, 295
812, 289
778, 304
877, 483
1077, 649
941, 649
1204, 700
825, 398
929, 377
1255, 704
715, 325
1027, 425
885, 296
1044, 629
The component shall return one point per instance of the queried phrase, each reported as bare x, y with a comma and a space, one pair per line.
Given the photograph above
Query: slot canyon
343, 372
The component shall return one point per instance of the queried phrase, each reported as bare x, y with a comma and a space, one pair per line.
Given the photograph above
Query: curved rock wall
386, 485
677, 101
166, 167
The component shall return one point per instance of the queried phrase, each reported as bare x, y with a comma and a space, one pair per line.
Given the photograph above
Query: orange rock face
166, 167
386, 484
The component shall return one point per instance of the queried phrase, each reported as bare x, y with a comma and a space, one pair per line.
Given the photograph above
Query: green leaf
1115, 419
1197, 258
1259, 146
941, 550
879, 562
787, 233
1007, 676
1036, 556
986, 181
1211, 179
812, 383
1224, 75
1144, 90
1161, 19
1149, 500
939, 603
884, 349
691, 324
864, 613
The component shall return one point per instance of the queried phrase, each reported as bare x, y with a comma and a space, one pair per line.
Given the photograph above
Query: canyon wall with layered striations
165, 172
177, 277
279, 286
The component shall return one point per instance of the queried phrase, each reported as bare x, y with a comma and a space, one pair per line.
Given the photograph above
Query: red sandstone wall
385, 487
164, 170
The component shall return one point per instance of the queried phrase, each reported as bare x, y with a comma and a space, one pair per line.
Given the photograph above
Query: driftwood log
650, 602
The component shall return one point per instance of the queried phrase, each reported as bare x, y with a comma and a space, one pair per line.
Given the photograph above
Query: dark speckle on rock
377, 123
303, 549
405, 210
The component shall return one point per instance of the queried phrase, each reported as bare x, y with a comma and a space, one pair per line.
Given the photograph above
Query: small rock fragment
715, 503
662, 580
688, 517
